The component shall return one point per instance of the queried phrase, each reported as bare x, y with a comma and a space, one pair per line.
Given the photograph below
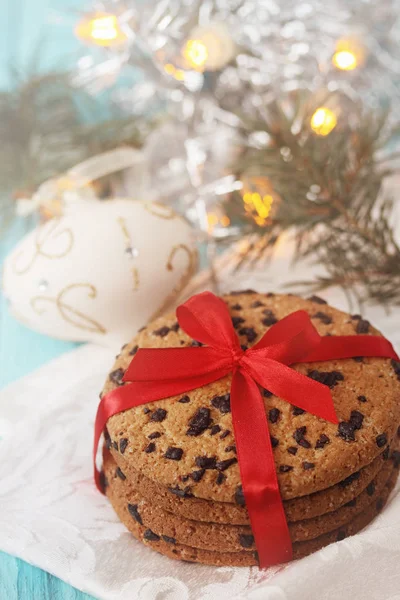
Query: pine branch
331, 190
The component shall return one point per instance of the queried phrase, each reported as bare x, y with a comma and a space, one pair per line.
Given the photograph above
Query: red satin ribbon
159, 373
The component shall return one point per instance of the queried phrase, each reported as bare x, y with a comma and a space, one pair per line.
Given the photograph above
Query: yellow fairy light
323, 121
345, 60
195, 53
213, 220
349, 54
101, 30
172, 70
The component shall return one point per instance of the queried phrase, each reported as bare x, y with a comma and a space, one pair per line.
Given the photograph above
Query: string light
348, 55
214, 220
195, 54
100, 30
258, 206
323, 121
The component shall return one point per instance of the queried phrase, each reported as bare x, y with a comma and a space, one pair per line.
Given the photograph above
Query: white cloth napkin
52, 516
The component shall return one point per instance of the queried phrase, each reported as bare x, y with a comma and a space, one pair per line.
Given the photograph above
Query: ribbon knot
159, 373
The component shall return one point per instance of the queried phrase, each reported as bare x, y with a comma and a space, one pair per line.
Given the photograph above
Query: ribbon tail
257, 471
141, 392
348, 346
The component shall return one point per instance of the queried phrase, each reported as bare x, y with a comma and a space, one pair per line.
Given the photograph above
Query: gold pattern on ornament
69, 313
184, 280
130, 248
44, 236
159, 210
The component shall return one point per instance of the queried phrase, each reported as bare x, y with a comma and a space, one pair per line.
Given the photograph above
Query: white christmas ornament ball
100, 272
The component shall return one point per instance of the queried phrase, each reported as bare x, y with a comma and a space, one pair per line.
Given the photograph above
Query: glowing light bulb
345, 60
323, 121
195, 53
101, 30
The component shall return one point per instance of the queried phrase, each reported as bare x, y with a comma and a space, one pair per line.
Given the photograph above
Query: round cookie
230, 538
186, 442
169, 547
296, 509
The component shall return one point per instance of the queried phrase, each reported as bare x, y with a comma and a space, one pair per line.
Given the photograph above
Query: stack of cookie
170, 467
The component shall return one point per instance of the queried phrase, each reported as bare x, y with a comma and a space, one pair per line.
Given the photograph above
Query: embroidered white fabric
52, 516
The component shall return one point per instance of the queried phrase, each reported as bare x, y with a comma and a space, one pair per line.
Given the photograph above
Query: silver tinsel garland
209, 64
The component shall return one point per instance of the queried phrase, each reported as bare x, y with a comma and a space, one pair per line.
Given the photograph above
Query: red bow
158, 373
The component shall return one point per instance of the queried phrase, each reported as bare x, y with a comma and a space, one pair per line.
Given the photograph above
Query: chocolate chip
122, 445
236, 307
256, 304
322, 441
222, 465
269, 319
133, 510
307, 466
115, 445
215, 429
162, 332
222, 403
146, 410
385, 453
246, 540
355, 317
361, 399
185, 493
199, 422
396, 367
133, 351
220, 478
239, 292
150, 448
341, 535
285, 468
237, 321
351, 503
356, 419
297, 411
274, 441
120, 474
396, 458
267, 394
224, 434
371, 489
353, 477
317, 300
168, 539
292, 450
244, 347
154, 435
346, 431
329, 378
231, 448
299, 437
175, 327
270, 294
274, 414
107, 439
196, 344
184, 478
150, 536
362, 326
197, 475
239, 496
323, 317
116, 376
358, 359
103, 481
184, 400
379, 504
249, 332
398, 432
381, 440
206, 462
158, 415
173, 453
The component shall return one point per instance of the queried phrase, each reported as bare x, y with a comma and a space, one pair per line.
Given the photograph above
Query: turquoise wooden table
22, 351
